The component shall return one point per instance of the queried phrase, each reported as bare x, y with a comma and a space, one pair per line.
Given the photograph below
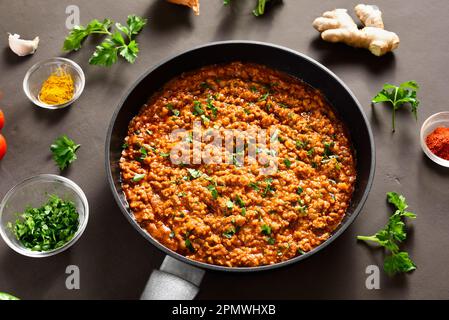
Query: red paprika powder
438, 142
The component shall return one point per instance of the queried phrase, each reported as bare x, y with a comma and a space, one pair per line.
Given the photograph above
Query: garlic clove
22, 47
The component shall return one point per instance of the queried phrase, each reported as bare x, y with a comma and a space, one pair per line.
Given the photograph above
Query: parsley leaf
398, 263
392, 235
134, 25
405, 93
105, 54
76, 36
397, 200
129, 52
64, 151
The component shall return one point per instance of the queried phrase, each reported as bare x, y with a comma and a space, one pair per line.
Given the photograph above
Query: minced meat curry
232, 213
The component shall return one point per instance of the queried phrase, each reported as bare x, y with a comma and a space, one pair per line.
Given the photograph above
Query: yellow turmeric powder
58, 88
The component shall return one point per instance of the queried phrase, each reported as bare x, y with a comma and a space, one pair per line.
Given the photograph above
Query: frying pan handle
175, 280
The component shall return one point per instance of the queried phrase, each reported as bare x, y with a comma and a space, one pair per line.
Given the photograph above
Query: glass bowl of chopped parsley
43, 215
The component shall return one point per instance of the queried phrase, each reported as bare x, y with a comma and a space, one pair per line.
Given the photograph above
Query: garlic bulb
22, 47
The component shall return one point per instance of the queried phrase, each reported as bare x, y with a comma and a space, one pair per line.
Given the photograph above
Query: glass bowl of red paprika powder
435, 138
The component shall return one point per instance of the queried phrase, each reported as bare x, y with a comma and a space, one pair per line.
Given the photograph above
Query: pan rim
212, 267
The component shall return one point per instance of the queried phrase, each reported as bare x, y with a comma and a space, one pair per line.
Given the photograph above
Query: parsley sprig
120, 42
64, 151
405, 93
392, 235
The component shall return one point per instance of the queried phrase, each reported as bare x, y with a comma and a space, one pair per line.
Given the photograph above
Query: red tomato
3, 147
2, 119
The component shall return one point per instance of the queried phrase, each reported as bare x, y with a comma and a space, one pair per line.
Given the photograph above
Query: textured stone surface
115, 261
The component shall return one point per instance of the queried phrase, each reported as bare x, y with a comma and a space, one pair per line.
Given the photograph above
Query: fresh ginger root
194, 4
338, 26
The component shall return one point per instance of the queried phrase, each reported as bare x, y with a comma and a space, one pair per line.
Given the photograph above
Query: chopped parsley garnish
243, 212
174, 111
189, 245
197, 108
299, 190
143, 154
205, 85
271, 240
287, 163
301, 144
239, 201
204, 118
264, 97
300, 252
302, 208
48, 227
210, 106
213, 191
189, 137
275, 136
266, 229
138, 176
229, 233
310, 152
194, 174
164, 155
64, 151
268, 188
125, 145
328, 146
254, 186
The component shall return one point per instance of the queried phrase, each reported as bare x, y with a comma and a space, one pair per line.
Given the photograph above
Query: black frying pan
276, 57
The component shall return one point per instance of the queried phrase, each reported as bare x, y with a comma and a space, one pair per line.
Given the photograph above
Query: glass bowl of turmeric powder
54, 83
435, 138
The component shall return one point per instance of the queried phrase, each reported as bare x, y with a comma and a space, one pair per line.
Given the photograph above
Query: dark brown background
115, 261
